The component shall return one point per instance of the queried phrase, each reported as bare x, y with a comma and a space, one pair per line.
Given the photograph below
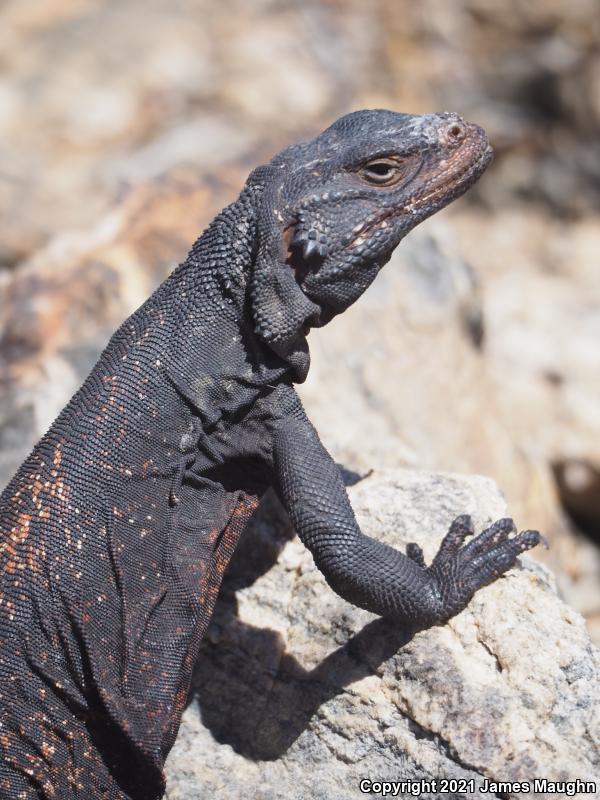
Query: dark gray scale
116, 531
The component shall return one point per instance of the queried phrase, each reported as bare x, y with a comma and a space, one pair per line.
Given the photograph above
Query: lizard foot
459, 569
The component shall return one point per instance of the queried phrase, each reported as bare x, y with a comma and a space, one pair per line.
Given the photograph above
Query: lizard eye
381, 171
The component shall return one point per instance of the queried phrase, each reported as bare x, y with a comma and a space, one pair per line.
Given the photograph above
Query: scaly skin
116, 531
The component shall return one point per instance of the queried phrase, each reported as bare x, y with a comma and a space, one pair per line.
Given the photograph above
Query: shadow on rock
253, 695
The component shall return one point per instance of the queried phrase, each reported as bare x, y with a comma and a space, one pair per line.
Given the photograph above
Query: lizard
116, 530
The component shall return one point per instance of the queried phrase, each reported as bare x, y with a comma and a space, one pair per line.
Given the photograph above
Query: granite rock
298, 694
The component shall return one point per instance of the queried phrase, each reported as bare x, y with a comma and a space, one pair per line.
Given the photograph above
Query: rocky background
125, 126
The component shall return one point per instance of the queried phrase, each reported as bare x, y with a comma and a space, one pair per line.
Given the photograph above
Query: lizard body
117, 529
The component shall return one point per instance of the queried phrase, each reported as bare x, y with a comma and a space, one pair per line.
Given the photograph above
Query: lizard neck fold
236, 276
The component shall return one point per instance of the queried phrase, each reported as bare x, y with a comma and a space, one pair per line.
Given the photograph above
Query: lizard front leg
369, 573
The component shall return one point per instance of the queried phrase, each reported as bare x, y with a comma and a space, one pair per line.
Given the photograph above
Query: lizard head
334, 209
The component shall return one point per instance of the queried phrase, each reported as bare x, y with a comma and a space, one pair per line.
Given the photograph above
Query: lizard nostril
456, 131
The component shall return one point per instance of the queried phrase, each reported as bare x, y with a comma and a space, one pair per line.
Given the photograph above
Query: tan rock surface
541, 305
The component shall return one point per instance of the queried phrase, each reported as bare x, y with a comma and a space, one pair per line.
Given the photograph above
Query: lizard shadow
253, 695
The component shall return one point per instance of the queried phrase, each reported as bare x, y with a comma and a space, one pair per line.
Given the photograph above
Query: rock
299, 694
541, 304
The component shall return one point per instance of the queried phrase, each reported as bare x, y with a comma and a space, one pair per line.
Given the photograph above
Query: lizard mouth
457, 183
433, 199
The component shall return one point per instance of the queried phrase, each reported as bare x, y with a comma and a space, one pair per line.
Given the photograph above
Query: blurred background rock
125, 126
